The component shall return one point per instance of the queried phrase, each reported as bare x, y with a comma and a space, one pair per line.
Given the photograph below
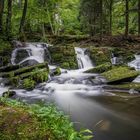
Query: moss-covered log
14, 73
9, 68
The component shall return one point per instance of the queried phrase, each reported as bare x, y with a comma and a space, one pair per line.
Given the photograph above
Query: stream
85, 100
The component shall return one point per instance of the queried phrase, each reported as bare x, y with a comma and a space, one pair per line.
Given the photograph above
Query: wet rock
30, 62
9, 94
21, 54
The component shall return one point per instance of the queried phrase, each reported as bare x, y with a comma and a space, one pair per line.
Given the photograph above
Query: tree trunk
110, 20
22, 22
101, 19
139, 17
8, 20
126, 17
1, 14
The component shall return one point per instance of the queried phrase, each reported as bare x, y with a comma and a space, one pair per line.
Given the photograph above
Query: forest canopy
74, 17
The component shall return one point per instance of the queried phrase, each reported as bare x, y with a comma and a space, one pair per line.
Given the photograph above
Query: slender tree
8, 19
126, 17
101, 18
110, 14
1, 14
22, 22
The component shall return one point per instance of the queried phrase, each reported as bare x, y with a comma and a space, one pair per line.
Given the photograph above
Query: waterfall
83, 59
34, 51
113, 59
135, 63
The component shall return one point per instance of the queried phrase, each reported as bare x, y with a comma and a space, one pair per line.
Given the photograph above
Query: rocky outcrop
64, 56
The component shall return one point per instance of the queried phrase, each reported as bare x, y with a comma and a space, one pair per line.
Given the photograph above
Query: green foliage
40, 76
100, 55
65, 65
35, 121
29, 84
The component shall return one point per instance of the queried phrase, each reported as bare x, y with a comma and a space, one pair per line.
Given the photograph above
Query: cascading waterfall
113, 59
83, 59
35, 51
135, 63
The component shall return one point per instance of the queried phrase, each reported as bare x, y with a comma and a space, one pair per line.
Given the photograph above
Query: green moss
120, 74
28, 84
64, 56
5, 52
40, 76
57, 57
24, 70
73, 65
100, 55
101, 68
23, 122
57, 72
65, 65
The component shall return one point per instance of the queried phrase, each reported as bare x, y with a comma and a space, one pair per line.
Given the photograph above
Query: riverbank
23, 121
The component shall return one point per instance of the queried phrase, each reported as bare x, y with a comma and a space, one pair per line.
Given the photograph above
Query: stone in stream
120, 74
21, 54
9, 94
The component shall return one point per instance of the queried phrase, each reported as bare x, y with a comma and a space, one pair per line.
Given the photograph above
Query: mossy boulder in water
9, 94
55, 72
120, 74
101, 68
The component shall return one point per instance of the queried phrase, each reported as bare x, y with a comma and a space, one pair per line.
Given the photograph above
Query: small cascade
30, 51
113, 59
135, 63
83, 59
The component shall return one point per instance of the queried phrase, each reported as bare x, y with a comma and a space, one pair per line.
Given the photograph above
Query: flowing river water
84, 99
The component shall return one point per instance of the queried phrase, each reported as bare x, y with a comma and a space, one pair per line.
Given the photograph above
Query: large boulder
21, 54
120, 74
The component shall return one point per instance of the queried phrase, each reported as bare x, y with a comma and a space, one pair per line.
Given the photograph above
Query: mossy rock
64, 56
101, 68
65, 65
56, 72
100, 55
28, 84
9, 94
120, 74
5, 52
